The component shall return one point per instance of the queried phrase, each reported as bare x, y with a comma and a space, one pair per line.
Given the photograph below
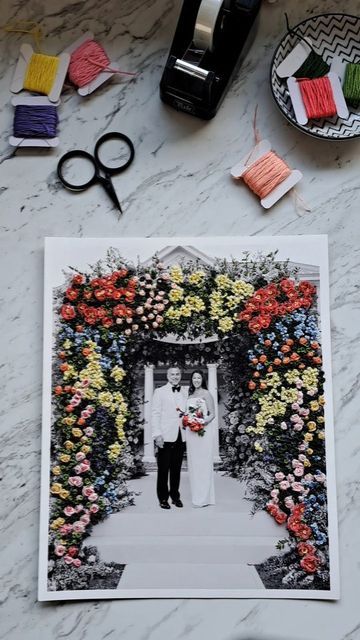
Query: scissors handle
77, 153
114, 135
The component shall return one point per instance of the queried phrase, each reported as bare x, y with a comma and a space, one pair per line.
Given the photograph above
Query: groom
169, 437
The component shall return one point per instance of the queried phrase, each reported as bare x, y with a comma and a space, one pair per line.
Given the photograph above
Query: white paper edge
312, 245
294, 59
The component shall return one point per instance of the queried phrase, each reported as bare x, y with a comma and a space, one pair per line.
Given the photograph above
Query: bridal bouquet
193, 419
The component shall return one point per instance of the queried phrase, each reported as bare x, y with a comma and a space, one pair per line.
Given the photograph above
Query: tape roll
205, 24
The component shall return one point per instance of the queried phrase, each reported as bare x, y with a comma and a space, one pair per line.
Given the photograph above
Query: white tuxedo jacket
165, 419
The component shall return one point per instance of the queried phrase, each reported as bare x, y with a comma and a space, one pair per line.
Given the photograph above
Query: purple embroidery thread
35, 121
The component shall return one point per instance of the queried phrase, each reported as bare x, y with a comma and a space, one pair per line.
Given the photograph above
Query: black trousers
169, 461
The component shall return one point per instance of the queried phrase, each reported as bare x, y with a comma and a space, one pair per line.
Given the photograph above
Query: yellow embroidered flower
185, 311
176, 294
57, 523
314, 405
197, 277
117, 373
56, 487
321, 435
173, 314
176, 274
242, 289
114, 451
223, 281
64, 457
69, 420
67, 344
309, 452
105, 398
310, 378
321, 419
64, 494
289, 395
77, 433
69, 445
307, 463
321, 400
258, 447
292, 376
56, 471
311, 425
308, 437
226, 324
195, 303
69, 373
85, 448
232, 302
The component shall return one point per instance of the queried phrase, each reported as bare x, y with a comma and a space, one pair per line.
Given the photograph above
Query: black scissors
98, 166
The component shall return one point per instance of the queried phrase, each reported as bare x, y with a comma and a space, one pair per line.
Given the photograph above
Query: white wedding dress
200, 455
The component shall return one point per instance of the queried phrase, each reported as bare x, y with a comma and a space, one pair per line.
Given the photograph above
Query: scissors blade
108, 186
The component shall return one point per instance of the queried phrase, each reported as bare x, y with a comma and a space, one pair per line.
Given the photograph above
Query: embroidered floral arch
266, 321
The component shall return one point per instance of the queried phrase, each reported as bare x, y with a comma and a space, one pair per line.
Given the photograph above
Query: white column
213, 388
148, 395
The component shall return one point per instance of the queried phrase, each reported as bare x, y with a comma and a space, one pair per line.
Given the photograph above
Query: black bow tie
176, 388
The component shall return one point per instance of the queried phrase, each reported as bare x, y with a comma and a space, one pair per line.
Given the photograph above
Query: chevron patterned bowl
331, 34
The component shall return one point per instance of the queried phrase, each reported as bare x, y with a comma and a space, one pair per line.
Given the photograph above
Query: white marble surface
179, 184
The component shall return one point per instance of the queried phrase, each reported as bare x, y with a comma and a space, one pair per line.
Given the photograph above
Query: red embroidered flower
68, 312
304, 548
309, 563
78, 279
71, 293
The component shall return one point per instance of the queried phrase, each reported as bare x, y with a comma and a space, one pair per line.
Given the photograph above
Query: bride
200, 449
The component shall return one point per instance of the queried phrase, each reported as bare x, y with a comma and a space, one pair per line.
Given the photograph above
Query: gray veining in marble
179, 184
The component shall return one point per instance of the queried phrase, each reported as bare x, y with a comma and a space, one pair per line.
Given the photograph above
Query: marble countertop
178, 185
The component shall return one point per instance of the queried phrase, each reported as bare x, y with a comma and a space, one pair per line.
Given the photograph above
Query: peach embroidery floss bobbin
266, 174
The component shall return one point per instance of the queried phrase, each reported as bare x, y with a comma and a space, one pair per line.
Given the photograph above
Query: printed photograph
188, 445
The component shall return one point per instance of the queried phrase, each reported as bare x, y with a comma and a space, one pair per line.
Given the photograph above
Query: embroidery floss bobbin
317, 98
35, 122
90, 65
266, 174
40, 73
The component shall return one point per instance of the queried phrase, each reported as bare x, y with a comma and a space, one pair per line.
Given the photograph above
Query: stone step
184, 576
185, 549
194, 522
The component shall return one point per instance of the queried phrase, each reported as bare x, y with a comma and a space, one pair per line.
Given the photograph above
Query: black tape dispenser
211, 39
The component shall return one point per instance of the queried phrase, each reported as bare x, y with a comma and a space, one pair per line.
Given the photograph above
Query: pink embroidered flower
93, 497
297, 486
299, 471
89, 431
65, 529
79, 527
75, 481
94, 508
298, 425
295, 406
60, 550
302, 447
85, 519
83, 467
88, 490
274, 493
284, 484
320, 477
80, 456
289, 502
77, 562
290, 477
302, 458
283, 426
69, 511
78, 508
279, 476
68, 559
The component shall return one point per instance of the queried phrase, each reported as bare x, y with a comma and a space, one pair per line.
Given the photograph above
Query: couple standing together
169, 402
